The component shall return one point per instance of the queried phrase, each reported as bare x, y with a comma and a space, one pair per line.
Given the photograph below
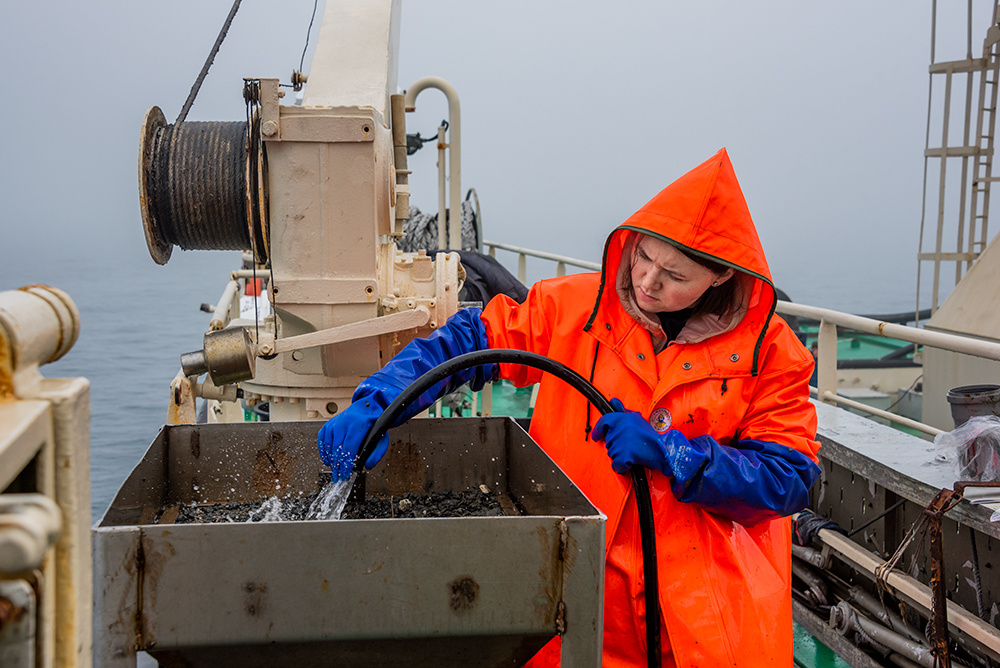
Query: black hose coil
644, 502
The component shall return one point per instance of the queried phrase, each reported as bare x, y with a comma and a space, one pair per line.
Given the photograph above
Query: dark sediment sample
285, 509
446, 504
469, 503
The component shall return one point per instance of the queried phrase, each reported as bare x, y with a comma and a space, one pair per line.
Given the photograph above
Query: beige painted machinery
45, 560
318, 193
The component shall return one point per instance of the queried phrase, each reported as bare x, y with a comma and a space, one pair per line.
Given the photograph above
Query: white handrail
826, 364
523, 253
924, 337
830, 397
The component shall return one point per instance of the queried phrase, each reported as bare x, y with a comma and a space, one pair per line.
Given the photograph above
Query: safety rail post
826, 364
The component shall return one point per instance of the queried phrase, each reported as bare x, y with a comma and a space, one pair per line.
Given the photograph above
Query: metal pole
454, 144
442, 201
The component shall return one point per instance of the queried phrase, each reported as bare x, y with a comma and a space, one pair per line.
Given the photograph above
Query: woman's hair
715, 300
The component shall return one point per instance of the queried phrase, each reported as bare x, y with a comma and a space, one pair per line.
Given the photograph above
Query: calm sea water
137, 318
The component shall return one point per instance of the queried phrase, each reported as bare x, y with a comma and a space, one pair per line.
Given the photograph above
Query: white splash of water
269, 511
331, 500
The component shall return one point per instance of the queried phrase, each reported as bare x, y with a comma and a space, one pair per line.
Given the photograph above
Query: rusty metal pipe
811, 556
970, 629
902, 661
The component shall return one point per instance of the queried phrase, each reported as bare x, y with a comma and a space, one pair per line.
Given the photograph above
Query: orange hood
704, 213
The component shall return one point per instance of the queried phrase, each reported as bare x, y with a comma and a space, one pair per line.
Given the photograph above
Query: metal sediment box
483, 591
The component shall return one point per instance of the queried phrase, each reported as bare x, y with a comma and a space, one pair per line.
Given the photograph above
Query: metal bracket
944, 501
386, 324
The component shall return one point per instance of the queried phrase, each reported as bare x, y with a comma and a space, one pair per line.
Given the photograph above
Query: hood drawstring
593, 367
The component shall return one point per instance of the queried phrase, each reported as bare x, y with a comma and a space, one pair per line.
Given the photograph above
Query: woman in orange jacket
679, 327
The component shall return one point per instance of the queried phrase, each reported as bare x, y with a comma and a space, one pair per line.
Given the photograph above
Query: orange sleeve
519, 327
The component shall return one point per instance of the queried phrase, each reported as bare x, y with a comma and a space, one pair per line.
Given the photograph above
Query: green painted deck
507, 400
811, 653
852, 345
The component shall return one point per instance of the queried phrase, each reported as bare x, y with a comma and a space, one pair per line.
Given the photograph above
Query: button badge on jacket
660, 420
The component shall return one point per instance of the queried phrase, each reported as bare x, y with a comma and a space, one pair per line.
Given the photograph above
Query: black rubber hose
644, 503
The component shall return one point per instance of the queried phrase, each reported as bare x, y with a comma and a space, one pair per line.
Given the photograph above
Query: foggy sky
574, 115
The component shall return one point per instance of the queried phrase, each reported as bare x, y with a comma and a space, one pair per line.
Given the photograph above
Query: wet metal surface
877, 482
424, 591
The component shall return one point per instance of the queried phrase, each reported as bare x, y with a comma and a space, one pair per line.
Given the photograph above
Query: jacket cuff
748, 483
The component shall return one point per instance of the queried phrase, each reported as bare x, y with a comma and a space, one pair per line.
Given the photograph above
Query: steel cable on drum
196, 184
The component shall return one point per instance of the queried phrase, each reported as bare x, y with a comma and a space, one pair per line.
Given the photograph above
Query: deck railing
826, 364
829, 320
523, 254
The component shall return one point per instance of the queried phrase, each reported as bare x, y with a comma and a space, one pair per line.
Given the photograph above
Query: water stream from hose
329, 505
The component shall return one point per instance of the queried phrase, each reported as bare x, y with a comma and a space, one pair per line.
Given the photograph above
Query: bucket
966, 402
971, 400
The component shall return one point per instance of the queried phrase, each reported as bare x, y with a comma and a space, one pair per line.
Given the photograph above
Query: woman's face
666, 280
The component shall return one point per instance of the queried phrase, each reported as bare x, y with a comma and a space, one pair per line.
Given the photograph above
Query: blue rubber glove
748, 482
341, 437
631, 441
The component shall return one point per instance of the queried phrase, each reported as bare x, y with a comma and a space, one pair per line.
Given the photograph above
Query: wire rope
208, 63
308, 32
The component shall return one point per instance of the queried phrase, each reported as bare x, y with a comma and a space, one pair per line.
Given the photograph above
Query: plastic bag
973, 448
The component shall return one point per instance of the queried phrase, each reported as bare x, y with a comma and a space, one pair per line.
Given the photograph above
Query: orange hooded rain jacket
724, 586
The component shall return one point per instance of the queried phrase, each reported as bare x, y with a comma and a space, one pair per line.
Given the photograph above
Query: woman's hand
341, 437
631, 441
747, 481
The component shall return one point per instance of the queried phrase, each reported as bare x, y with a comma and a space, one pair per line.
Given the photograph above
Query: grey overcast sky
574, 114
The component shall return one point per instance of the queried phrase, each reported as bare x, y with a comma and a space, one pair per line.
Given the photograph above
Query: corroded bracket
945, 500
